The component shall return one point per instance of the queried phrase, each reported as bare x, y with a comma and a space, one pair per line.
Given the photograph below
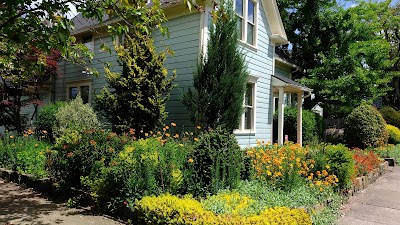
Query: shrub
391, 116
145, 167
24, 154
285, 167
167, 209
365, 126
394, 134
313, 125
76, 155
230, 203
217, 162
75, 116
366, 161
340, 160
47, 117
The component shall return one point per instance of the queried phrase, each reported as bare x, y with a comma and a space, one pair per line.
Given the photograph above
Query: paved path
19, 206
378, 204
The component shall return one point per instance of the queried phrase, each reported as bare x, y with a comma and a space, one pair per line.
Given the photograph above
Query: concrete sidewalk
378, 204
19, 206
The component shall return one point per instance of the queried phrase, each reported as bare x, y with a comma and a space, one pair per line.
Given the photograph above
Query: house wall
260, 64
183, 40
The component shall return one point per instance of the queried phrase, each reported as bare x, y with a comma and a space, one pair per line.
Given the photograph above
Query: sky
348, 3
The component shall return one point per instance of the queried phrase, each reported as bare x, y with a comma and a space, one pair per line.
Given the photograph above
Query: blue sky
348, 3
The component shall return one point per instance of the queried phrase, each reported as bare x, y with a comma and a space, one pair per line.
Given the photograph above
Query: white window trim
243, 39
241, 131
80, 84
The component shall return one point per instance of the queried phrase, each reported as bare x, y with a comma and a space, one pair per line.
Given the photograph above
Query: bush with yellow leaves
169, 209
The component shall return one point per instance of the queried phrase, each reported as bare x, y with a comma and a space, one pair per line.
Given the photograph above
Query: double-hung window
247, 20
82, 88
247, 122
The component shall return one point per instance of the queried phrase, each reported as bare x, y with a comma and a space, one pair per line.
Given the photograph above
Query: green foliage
313, 125
145, 167
167, 209
77, 152
217, 162
73, 118
138, 95
394, 134
220, 79
24, 154
391, 116
46, 120
365, 126
341, 162
333, 45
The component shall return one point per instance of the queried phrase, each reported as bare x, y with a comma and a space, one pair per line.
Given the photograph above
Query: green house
269, 87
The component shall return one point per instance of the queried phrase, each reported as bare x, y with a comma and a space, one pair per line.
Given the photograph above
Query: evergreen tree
220, 79
136, 97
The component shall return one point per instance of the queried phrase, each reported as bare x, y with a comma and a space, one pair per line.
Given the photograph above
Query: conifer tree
136, 97
221, 76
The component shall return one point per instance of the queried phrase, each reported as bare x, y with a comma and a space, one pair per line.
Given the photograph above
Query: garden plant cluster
199, 176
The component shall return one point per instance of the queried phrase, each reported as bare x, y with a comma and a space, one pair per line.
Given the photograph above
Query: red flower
125, 203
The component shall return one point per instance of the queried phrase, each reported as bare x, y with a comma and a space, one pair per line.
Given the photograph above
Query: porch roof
289, 85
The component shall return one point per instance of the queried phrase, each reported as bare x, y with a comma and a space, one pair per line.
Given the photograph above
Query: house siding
184, 40
260, 64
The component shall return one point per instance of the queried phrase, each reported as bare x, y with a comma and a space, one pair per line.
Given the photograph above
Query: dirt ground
20, 206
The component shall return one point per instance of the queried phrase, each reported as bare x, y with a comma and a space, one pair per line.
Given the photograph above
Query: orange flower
92, 142
11, 137
70, 154
146, 134
195, 139
173, 124
198, 127
190, 160
167, 127
167, 134
176, 136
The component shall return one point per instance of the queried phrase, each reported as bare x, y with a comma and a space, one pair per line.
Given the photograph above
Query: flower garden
170, 176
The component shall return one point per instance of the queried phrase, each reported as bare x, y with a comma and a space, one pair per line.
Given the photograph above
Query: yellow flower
181, 145
158, 132
327, 167
190, 160
167, 134
269, 173
11, 137
173, 124
198, 127
40, 153
36, 145
321, 189
146, 134
195, 139
176, 136
167, 127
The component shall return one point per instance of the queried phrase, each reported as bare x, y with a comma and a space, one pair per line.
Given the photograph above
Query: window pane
73, 92
250, 33
239, 7
250, 14
249, 95
85, 94
248, 118
240, 24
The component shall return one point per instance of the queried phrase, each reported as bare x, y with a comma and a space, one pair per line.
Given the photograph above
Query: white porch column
300, 118
280, 115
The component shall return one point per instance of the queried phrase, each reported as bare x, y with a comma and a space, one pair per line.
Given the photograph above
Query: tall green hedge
391, 115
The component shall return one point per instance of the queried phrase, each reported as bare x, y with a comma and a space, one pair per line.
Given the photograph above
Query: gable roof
278, 36
278, 33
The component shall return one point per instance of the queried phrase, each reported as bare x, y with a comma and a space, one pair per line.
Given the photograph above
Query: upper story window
247, 24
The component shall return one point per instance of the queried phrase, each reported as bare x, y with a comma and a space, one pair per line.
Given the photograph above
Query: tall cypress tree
220, 79
136, 97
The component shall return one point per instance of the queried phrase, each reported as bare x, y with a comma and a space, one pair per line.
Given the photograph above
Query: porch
282, 85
